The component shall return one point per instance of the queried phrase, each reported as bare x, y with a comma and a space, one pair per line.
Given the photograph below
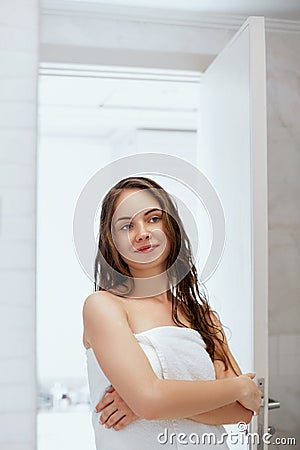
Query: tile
18, 344
25, 278
289, 344
17, 201
15, 176
18, 65
17, 255
18, 317
22, 14
286, 389
21, 434
18, 147
15, 371
289, 355
18, 90
18, 228
273, 355
18, 115
18, 397
14, 38
284, 257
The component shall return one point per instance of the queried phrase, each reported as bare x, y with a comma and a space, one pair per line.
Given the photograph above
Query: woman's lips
146, 248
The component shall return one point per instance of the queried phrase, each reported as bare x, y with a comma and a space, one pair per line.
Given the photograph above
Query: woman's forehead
134, 201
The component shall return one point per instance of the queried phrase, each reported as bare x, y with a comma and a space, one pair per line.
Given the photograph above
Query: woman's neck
151, 286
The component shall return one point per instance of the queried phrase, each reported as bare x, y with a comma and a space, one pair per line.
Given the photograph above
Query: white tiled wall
283, 64
19, 43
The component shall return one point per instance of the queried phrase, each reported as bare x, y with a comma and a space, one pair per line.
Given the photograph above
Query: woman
151, 335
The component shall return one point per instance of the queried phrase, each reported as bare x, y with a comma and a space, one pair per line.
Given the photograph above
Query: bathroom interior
84, 83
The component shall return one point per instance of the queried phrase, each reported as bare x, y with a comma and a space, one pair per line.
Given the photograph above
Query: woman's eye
124, 226
128, 225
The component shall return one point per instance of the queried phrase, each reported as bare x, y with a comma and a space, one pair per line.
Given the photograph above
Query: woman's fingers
115, 412
250, 394
110, 389
105, 400
112, 419
118, 419
126, 420
251, 375
109, 404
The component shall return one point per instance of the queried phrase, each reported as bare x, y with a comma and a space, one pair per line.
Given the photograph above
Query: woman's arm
228, 414
126, 366
234, 412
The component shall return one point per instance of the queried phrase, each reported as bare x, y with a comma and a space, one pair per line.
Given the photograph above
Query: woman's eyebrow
152, 210
146, 214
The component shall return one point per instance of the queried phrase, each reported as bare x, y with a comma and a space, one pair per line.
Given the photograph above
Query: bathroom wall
283, 94
19, 40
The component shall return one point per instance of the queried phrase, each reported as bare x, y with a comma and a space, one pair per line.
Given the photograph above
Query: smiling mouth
146, 249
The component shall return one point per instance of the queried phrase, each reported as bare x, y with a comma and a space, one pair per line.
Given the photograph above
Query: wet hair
111, 273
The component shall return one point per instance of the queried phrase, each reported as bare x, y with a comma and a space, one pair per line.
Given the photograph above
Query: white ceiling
280, 9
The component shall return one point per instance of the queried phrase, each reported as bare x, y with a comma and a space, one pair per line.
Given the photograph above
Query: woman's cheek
123, 243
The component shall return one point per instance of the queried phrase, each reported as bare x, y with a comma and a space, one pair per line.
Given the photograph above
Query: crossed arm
228, 414
232, 413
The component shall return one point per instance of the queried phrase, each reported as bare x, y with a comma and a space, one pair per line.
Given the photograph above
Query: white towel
174, 353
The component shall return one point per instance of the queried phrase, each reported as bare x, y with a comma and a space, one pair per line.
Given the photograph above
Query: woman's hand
250, 395
116, 413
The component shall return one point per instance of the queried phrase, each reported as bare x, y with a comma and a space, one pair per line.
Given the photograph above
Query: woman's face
138, 231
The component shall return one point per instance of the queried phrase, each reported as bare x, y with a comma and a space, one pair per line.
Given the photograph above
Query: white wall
18, 86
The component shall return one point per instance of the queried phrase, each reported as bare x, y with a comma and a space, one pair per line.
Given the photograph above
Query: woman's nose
142, 233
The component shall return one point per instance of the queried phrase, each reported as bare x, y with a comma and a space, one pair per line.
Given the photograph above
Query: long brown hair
112, 274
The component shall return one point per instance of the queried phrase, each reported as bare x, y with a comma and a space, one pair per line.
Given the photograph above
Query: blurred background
84, 83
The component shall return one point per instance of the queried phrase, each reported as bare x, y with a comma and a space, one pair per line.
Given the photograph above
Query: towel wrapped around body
174, 353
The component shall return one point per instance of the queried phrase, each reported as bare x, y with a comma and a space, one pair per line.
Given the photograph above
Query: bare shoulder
103, 302
99, 310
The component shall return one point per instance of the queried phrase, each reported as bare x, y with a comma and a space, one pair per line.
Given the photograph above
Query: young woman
150, 334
